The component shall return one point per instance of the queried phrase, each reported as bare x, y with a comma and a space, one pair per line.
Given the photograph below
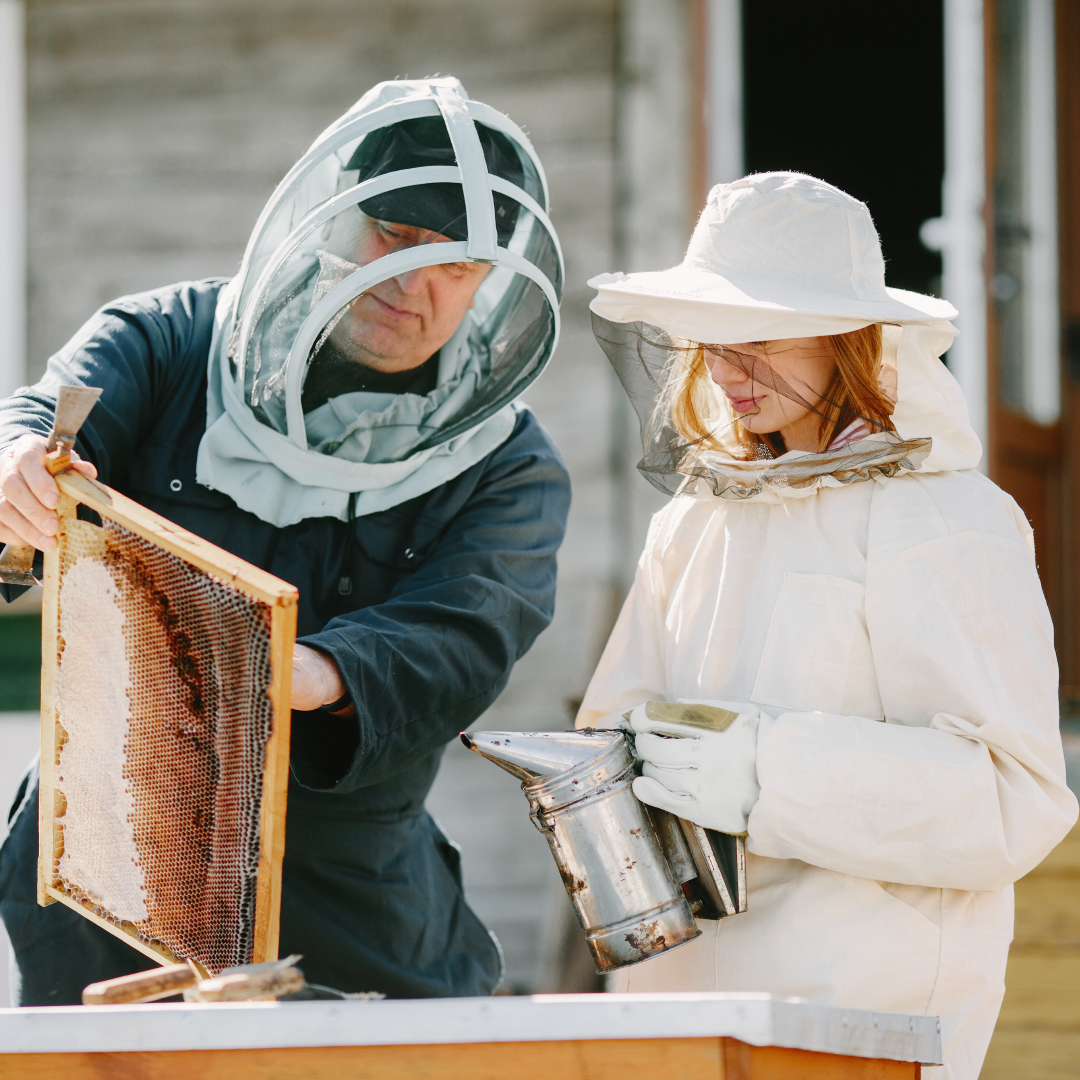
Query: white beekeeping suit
877, 606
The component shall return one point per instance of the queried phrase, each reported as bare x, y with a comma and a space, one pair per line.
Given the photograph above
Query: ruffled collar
880, 454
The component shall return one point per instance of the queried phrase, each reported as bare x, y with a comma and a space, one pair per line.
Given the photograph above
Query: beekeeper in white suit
835, 572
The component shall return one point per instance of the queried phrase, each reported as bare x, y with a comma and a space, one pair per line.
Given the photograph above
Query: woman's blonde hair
854, 393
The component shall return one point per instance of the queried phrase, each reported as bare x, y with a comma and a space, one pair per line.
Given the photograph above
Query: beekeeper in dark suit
341, 414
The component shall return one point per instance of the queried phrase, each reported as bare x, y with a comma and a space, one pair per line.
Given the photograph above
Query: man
340, 414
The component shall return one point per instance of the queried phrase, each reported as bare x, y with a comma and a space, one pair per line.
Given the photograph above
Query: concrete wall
157, 128
12, 196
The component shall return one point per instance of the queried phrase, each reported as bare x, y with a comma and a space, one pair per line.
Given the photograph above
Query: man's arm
428, 661
141, 351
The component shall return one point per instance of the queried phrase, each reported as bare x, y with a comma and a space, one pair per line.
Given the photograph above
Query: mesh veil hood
933, 430
469, 188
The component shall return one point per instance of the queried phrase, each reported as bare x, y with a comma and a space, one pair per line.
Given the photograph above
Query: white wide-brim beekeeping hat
774, 255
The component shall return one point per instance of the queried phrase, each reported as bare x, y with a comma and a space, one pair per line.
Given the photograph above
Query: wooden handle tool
251, 982
142, 986
253, 986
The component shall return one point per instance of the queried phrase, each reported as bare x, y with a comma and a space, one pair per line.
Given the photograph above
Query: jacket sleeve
963, 786
424, 664
139, 350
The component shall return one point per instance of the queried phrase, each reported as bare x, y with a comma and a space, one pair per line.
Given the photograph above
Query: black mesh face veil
653, 367
415, 231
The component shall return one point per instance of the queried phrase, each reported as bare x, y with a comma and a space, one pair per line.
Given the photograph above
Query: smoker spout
529, 754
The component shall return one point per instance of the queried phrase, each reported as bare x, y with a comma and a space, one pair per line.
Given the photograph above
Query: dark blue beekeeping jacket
449, 590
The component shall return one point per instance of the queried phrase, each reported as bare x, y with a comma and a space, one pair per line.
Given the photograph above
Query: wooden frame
604, 1059
278, 595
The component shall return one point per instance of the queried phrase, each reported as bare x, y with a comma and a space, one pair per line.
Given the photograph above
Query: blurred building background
139, 140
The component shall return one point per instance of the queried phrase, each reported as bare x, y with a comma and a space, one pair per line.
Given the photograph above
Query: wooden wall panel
1038, 1032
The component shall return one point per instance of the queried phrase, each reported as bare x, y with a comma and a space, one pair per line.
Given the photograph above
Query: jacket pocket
817, 654
901, 941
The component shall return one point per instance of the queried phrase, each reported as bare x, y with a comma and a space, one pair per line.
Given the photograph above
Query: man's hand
28, 494
316, 680
28, 499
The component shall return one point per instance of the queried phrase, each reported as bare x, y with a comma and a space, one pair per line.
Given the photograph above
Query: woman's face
749, 375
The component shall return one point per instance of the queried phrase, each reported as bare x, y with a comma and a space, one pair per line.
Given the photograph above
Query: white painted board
758, 1019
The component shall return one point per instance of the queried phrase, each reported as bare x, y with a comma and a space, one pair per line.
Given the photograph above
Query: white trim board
758, 1019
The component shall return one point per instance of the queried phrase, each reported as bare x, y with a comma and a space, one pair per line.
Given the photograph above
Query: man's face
401, 322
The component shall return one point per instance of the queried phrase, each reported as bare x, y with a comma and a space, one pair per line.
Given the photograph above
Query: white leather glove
699, 760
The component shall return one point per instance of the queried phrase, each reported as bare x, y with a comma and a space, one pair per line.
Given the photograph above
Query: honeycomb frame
230, 583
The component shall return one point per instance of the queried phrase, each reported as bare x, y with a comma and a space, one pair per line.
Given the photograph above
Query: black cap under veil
413, 144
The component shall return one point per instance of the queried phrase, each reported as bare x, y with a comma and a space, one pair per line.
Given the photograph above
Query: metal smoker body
624, 865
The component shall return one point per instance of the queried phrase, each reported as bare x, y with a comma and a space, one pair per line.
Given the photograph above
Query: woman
860, 601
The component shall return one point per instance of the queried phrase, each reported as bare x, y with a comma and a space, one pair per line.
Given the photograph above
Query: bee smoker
636, 875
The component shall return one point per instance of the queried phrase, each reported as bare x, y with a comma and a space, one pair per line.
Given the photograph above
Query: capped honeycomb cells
165, 744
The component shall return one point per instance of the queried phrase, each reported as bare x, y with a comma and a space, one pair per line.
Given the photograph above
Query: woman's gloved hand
699, 760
